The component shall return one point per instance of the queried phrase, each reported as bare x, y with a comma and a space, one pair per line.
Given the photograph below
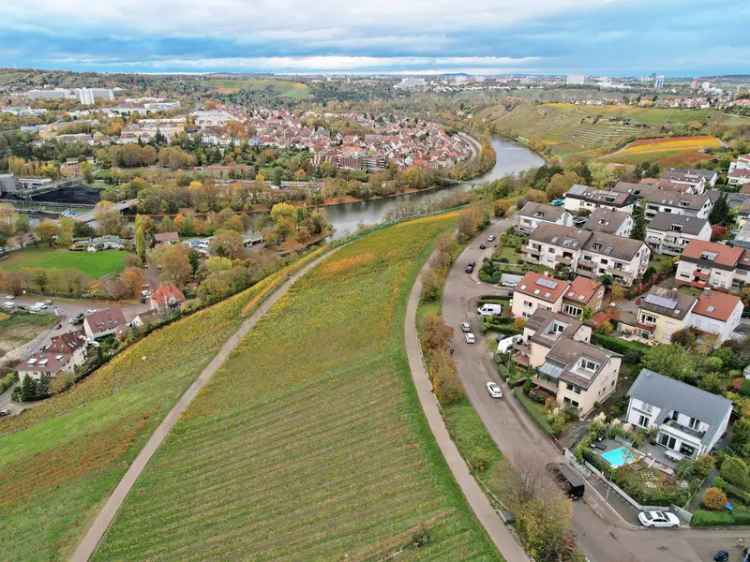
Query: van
489, 309
506, 344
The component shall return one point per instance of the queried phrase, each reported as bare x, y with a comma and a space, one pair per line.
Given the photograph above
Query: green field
94, 265
594, 131
275, 86
309, 444
19, 329
62, 458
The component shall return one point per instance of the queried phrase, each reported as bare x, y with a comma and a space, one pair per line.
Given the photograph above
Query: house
605, 254
71, 343
661, 312
104, 322
166, 238
610, 222
699, 180
542, 331
583, 293
708, 264
533, 214
739, 171
669, 234
145, 318
45, 363
536, 290
687, 420
660, 201
578, 373
592, 254
166, 298
582, 198
717, 313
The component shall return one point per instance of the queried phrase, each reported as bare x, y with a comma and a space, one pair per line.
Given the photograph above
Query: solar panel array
664, 302
546, 282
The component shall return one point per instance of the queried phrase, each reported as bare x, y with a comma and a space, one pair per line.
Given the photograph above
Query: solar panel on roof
663, 302
546, 282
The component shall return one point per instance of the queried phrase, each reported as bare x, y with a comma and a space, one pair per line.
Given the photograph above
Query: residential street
602, 534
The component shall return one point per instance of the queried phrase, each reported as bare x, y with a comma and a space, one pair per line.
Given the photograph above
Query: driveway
602, 534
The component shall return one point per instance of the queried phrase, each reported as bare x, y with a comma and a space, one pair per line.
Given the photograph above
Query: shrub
735, 471
702, 518
741, 516
632, 351
745, 387
714, 499
445, 382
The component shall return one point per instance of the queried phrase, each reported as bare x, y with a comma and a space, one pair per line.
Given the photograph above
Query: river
511, 159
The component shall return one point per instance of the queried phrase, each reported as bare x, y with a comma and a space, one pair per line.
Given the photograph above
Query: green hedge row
632, 351
703, 518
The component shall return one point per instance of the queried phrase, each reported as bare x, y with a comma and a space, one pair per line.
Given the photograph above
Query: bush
702, 518
632, 351
731, 490
714, 499
735, 471
7, 381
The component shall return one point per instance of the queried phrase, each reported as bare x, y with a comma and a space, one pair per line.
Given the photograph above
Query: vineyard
62, 458
309, 443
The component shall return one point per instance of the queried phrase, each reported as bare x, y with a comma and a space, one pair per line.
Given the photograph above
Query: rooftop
666, 302
614, 246
605, 220
582, 290
568, 237
542, 287
716, 305
670, 222
542, 211
718, 254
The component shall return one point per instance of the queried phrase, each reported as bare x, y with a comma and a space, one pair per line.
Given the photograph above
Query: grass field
666, 150
60, 459
19, 329
309, 444
283, 88
92, 264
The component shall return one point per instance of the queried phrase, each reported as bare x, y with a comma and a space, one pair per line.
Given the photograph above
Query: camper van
489, 309
569, 479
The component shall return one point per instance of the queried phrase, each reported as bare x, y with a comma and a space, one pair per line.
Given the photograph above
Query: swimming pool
619, 457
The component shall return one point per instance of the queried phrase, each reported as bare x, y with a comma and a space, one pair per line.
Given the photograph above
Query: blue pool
619, 457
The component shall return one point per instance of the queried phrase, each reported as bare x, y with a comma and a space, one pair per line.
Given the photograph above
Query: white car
491, 238
90, 311
494, 389
470, 338
658, 519
465, 327
506, 344
9, 297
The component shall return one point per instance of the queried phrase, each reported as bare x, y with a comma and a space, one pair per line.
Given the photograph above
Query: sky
603, 37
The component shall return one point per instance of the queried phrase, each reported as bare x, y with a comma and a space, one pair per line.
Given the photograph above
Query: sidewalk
500, 535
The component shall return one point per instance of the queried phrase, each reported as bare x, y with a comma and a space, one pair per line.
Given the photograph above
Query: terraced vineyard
59, 460
309, 444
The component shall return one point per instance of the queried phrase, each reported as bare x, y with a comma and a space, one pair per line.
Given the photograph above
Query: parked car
659, 519
48, 302
470, 267
494, 389
569, 479
9, 297
77, 319
491, 238
506, 344
8, 305
465, 327
4, 412
470, 338
721, 556
490, 309
90, 311
483, 246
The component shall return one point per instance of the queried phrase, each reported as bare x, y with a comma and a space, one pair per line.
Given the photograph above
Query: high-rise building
659, 82
575, 79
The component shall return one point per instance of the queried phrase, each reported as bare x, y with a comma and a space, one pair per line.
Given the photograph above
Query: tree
741, 437
735, 471
720, 214
639, 223
47, 231
670, 360
436, 334
140, 237
445, 382
67, 229
28, 389
132, 279
714, 499
227, 244
107, 217
174, 263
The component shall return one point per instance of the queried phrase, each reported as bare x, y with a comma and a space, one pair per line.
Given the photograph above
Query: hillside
593, 131
310, 444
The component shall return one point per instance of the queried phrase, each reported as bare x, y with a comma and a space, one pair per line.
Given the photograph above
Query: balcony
682, 432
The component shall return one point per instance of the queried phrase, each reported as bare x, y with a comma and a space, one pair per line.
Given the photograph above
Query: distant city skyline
597, 37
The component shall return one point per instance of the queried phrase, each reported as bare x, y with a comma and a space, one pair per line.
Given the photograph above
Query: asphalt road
602, 534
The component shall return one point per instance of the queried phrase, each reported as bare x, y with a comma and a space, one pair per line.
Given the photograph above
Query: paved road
106, 515
504, 540
602, 534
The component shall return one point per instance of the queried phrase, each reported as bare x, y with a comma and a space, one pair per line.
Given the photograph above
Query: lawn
309, 444
61, 459
18, 329
94, 265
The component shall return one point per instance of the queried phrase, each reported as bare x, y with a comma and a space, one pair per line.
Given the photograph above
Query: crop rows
309, 443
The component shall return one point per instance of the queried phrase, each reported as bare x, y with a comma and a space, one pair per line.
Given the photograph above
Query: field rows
307, 444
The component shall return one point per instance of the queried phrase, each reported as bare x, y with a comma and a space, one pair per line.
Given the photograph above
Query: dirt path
106, 515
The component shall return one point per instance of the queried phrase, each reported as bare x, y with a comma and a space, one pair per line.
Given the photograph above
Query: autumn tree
132, 279
47, 231
226, 243
67, 230
173, 262
107, 217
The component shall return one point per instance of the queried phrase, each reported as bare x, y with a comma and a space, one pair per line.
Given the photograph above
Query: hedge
703, 518
533, 410
620, 346
732, 490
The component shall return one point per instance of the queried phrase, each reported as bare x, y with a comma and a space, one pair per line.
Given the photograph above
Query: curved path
106, 515
501, 536
601, 533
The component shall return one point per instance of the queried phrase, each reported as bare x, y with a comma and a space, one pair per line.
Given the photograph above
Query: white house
610, 222
717, 313
533, 214
669, 233
584, 198
104, 322
536, 290
688, 421
739, 171
662, 201
699, 180
708, 264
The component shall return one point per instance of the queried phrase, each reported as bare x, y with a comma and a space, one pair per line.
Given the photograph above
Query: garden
507, 258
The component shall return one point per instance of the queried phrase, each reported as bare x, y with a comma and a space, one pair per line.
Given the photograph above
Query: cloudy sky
619, 37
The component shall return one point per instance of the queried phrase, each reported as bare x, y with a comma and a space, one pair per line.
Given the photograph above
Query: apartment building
709, 264
660, 201
697, 179
533, 214
669, 234
610, 222
584, 198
